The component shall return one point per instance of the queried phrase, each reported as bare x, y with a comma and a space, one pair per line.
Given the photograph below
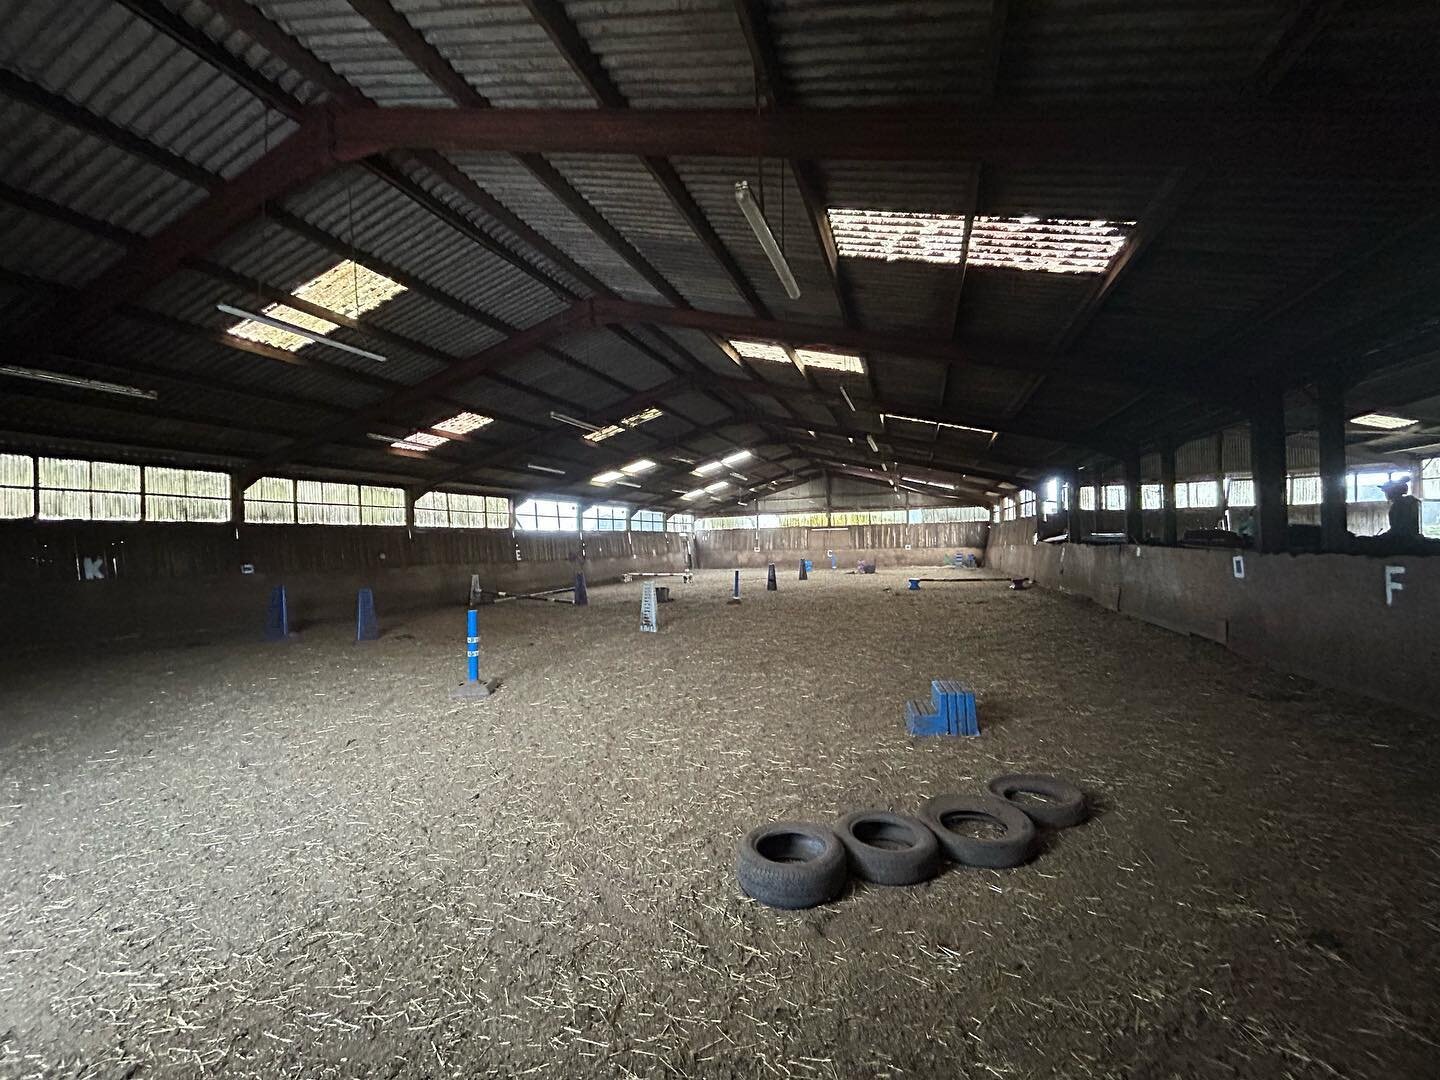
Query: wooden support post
1334, 531
1267, 463
1169, 525
1134, 518
1074, 532
237, 500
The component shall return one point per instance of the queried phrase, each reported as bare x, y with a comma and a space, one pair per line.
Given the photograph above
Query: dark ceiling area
548, 189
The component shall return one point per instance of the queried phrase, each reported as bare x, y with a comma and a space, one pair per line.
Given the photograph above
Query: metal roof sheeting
662, 54
342, 38
47, 157
502, 176
841, 52
1240, 273
1118, 50
99, 56
632, 201
500, 50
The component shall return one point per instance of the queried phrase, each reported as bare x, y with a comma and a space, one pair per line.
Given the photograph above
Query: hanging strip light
77, 381
756, 217
300, 331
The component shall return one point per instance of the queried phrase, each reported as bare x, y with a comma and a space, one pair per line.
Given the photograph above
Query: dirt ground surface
304, 860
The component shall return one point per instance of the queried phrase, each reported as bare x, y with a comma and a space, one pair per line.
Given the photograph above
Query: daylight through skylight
1055, 245
818, 358
1383, 421
460, 424
644, 416
347, 288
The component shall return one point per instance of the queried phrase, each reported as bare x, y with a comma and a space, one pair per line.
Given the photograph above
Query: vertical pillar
237, 499
1071, 479
1134, 518
1169, 525
1334, 533
409, 508
1267, 463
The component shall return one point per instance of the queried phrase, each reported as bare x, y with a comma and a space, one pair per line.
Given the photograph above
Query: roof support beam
1244, 136
427, 389
605, 312
300, 158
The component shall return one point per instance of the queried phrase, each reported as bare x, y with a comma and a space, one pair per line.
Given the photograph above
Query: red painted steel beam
299, 159
512, 348
1255, 136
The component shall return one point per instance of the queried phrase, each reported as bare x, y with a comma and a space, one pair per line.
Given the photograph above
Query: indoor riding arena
762, 539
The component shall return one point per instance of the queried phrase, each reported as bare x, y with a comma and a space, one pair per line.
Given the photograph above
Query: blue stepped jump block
955, 704
920, 722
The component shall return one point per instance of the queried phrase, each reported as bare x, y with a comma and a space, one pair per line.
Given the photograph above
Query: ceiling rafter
1362, 140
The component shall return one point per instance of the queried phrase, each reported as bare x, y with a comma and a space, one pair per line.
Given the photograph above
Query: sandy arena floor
304, 860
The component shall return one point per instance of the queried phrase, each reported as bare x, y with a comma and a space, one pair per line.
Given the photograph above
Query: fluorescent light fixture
1053, 245
694, 493
682, 460
846, 395
818, 358
76, 381
604, 478
635, 468
719, 485
573, 422
546, 469
1383, 421
628, 483
931, 483
708, 468
753, 214
870, 442
736, 458
936, 423
316, 336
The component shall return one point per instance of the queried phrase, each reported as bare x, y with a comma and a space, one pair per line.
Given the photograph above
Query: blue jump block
277, 615
920, 722
367, 625
955, 704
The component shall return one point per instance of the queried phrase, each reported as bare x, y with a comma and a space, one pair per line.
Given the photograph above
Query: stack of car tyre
799, 864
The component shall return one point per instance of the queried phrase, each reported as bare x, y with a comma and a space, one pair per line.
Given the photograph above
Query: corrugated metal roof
50, 250
663, 54
631, 200
500, 50
1238, 249
506, 179
104, 59
835, 53
1116, 50
46, 157
341, 37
